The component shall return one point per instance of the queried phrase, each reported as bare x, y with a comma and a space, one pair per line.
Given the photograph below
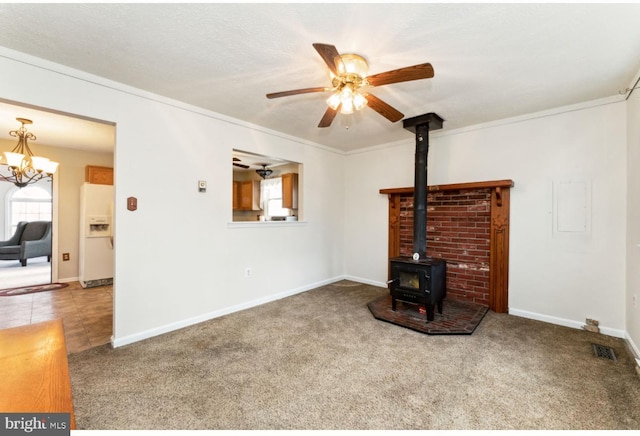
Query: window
271, 198
28, 204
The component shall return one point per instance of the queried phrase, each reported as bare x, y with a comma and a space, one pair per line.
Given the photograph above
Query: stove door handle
391, 281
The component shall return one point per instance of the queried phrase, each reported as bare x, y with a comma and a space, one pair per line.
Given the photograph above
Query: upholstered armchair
31, 239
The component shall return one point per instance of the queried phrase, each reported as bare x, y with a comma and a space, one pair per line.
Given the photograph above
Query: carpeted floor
320, 360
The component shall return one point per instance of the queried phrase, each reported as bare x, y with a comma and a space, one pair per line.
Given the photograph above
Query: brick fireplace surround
468, 226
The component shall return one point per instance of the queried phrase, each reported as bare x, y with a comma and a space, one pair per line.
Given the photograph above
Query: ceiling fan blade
416, 72
383, 108
297, 91
241, 165
330, 56
328, 117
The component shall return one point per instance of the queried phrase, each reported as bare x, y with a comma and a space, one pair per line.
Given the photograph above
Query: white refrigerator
96, 235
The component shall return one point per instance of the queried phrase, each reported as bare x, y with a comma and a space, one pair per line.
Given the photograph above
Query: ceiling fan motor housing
352, 64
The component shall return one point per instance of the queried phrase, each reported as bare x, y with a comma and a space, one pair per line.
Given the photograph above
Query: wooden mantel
499, 251
453, 187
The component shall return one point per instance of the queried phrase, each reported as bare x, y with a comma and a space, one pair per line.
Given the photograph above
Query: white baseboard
365, 281
126, 340
634, 348
566, 322
68, 280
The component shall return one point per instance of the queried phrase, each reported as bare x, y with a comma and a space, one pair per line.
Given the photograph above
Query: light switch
132, 203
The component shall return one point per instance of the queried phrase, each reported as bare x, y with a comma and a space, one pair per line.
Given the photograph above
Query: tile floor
87, 314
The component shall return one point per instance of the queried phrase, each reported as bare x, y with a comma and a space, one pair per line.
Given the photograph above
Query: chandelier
25, 168
352, 76
264, 172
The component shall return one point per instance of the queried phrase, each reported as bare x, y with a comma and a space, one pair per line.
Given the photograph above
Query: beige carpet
320, 360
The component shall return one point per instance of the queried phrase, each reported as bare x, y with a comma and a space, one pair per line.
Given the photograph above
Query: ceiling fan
349, 82
236, 162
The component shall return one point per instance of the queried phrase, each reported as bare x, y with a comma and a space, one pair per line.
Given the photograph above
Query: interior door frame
54, 229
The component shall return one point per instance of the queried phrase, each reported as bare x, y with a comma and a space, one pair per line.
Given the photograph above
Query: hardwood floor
87, 314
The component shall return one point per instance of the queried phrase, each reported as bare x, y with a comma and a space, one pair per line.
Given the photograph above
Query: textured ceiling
491, 61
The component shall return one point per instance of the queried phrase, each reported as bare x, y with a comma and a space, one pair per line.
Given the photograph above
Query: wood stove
419, 279
421, 282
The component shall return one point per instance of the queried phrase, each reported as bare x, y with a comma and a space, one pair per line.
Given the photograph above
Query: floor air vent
602, 351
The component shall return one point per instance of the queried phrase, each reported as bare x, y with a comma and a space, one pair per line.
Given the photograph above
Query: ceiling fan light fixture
347, 106
359, 101
346, 98
334, 101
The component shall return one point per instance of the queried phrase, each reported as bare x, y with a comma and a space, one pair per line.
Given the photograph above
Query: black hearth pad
457, 318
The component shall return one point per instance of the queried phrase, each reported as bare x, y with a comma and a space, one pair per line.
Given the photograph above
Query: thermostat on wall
202, 185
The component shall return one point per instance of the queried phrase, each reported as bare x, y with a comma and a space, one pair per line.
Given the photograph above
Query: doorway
76, 142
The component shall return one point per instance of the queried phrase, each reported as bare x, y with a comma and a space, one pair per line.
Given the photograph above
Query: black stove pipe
421, 125
420, 191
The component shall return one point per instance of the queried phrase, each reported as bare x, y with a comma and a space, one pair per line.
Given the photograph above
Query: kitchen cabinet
98, 175
290, 190
236, 195
246, 195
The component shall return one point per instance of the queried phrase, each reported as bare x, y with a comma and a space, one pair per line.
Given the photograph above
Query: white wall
178, 260
557, 279
633, 221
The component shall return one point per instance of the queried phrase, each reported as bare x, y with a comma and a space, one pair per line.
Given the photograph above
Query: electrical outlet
247, 272
65, 256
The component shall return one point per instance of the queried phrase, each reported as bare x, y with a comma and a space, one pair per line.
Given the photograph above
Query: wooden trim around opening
499, 241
